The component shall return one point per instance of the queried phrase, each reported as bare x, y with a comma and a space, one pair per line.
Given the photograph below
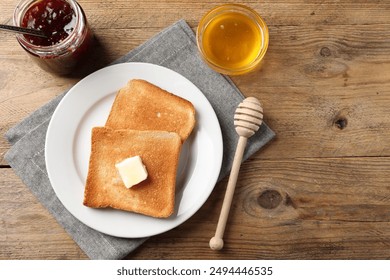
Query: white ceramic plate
87, 105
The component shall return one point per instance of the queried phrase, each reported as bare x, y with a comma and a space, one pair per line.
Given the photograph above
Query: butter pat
132, 171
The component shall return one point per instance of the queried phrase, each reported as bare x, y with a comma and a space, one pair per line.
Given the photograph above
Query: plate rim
218, 155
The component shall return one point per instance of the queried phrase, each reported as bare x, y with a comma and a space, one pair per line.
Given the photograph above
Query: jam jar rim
57, 49
220, 9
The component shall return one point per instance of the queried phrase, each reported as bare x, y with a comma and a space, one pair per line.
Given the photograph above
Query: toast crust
141, 105
159, 151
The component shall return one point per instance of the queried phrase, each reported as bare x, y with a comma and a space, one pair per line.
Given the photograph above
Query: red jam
55, 18
69, 37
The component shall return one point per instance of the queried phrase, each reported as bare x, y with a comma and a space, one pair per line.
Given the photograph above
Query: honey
232, 39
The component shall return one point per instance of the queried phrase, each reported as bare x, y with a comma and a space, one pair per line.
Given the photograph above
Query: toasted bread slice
159, 151
143, 106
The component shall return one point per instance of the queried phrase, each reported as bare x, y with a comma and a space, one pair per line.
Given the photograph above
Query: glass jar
232, 39
63, 56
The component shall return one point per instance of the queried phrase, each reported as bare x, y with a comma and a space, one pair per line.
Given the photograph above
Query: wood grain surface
319, 190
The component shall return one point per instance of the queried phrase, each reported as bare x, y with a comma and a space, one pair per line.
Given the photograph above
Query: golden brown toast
159, 151
141, 105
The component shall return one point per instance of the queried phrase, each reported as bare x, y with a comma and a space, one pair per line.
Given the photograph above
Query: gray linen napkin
175, 48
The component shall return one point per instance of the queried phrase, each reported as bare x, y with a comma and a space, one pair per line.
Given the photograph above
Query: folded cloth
175, 48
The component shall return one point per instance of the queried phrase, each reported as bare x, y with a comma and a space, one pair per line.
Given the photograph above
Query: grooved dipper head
248, 117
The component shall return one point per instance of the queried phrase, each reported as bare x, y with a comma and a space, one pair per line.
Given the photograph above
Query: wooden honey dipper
247, 120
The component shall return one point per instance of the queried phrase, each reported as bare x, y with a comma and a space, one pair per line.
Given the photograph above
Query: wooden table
320, 190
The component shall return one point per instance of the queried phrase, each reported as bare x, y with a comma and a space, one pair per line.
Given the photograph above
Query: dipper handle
216, 243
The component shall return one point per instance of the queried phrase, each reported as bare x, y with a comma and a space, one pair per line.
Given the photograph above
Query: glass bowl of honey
232, 39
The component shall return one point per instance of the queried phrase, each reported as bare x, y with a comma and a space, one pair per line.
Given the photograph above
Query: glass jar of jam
65, 25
